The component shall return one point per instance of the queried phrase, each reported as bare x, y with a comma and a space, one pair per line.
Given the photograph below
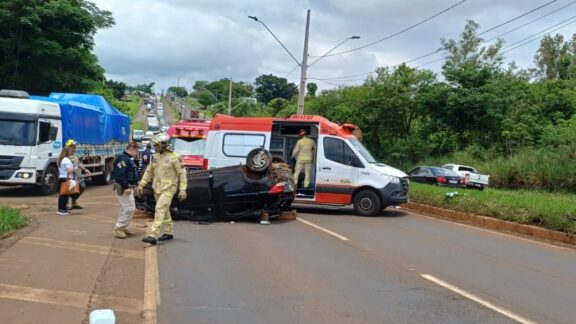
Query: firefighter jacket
167, 173
304, 150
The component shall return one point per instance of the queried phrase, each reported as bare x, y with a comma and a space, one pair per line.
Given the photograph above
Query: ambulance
188, 138
344, 172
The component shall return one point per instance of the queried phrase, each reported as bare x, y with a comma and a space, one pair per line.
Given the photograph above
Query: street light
304, 64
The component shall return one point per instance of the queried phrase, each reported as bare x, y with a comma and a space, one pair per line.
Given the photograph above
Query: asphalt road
396, 268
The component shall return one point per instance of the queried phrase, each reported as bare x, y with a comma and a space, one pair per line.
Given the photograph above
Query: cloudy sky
182, 41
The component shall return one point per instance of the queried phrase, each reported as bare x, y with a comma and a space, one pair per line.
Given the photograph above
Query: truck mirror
44, 132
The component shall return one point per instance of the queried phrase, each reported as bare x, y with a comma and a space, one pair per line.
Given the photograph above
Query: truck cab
188, 138
344, 172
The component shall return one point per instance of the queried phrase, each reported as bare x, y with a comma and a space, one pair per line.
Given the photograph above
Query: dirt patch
494, 224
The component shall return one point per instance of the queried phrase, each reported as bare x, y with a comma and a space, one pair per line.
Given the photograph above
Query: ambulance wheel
258, 160
367, 203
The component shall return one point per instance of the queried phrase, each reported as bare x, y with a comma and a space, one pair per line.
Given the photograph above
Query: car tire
367, 203
258, 160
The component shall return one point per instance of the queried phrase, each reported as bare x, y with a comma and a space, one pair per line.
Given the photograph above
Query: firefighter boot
166, 237
149, 240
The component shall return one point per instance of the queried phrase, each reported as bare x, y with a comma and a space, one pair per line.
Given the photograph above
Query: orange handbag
65, 188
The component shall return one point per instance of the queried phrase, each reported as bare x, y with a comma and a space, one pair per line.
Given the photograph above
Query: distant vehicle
149, 133
234, 192
471, 177
137, 135
188, 138
151, 115
146, 139
164, 128
436, 176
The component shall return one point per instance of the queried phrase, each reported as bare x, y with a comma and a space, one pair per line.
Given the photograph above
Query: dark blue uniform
125, 171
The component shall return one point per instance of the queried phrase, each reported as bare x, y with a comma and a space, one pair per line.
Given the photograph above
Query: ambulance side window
338, 151
239, 145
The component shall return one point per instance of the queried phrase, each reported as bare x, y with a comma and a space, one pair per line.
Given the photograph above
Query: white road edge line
151, 286
327, 231
485, 303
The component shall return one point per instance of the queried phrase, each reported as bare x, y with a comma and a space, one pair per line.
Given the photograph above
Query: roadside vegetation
553, 211
11, 219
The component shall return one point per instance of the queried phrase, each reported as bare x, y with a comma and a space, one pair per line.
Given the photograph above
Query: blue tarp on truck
89, 119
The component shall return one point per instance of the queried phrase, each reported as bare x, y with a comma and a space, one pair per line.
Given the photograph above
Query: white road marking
485, 303
151, 286
327, 231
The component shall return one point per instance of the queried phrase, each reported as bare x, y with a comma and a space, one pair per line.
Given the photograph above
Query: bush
11, 219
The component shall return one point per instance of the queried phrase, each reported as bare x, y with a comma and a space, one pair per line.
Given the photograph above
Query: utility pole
230, 98
303, 66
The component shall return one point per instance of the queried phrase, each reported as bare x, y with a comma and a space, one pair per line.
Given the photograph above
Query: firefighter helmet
162, 140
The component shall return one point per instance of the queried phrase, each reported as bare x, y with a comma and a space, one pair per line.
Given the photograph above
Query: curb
493, 223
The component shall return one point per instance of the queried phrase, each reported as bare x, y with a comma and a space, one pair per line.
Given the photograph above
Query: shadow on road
345, 211
20, 191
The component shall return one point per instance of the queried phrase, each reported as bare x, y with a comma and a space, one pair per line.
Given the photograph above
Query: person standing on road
65, 172
303, 152
125, 180
145, 158
168, 175
78, 168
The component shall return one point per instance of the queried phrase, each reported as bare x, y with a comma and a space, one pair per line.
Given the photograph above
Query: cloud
179, 41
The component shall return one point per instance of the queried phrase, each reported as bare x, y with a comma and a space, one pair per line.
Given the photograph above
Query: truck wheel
258, 160
105, 177
367, 203
49, 181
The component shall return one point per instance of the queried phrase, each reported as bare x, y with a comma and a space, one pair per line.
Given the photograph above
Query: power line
530, 22
500, 25
515, 18
402, 31
529, 41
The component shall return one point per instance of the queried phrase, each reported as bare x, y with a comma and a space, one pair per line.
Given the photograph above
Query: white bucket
102, 316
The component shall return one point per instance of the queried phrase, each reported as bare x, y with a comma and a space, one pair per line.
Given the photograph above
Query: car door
422, 174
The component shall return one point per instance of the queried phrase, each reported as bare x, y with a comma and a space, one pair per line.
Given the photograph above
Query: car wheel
258, 160
367, 203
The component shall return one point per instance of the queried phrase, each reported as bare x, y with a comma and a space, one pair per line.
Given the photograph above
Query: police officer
126, 178
303, 152
168, 175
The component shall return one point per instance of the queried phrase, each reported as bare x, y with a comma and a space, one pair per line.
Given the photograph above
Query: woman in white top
65, 171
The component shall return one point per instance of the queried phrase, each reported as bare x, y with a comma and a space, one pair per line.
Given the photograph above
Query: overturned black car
263, 185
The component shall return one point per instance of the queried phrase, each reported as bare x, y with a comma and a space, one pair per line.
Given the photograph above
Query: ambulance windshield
362, 150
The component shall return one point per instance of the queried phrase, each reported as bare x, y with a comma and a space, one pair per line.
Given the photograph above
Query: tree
117, 88
178, 91
311, 88
269, 87
556, 59
47, 46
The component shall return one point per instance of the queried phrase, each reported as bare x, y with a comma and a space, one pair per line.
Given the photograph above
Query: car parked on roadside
436, 176
262, 185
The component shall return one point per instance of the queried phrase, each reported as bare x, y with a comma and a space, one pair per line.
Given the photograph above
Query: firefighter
168, 175
304, 153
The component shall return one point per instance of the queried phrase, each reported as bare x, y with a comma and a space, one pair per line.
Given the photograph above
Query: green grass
134, 105
136, 125
11, 219
554, 211
191, 102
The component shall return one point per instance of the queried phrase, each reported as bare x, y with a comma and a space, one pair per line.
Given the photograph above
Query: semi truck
34, 130
188, 138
